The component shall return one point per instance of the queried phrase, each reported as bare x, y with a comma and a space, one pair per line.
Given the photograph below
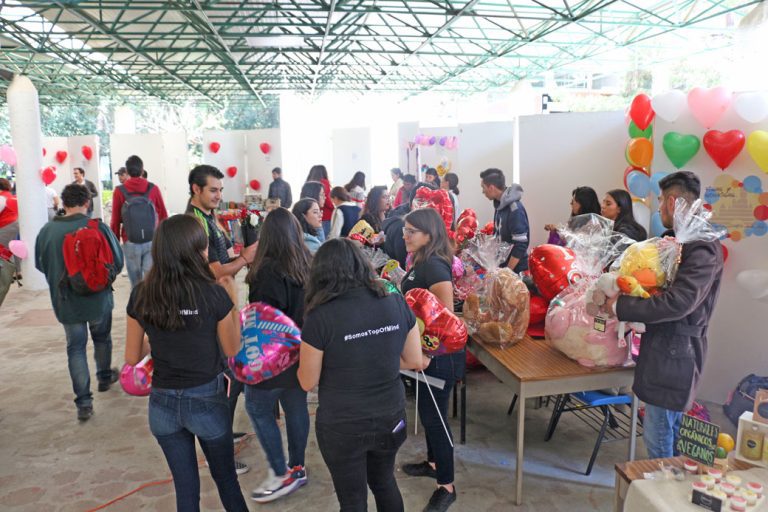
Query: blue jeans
77, 359
326, 229
660, 430
176, 417
260, 404
138, 260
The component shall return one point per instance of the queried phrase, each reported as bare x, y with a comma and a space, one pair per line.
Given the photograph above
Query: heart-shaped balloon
680, 148
87, 152
444, 332
265, 147
641, 111
723, 147
551, 268
438, 200
757, 146
635, 132
270, 344
232, 171
18, 248
443, 140
61, 156
137, 380
255, 184
754, 282
709, 105
48, 175
7, 154
638, 184
640, 152
669, 105
538, 310
751, 106
44, 152
214, 147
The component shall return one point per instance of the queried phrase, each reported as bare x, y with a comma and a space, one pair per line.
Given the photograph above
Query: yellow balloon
757, 146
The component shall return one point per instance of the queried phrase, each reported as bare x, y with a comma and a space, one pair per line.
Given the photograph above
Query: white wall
352, 153
64, 176
559, 152
231, 153
406, 157
259, 165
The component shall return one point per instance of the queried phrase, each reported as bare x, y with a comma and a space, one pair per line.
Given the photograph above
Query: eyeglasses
410, 232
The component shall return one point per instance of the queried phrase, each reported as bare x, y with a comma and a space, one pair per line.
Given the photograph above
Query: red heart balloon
552, 270
48, 175
438, 200
255, 184
214, 147
539, 306
87, 152
443, 332
44, 152
61, 156
231, 171
641, 111
265, 147
723, 147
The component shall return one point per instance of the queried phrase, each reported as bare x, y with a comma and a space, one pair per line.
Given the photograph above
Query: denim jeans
660, 430
449, 368
326, 229
77, 359
176, 417
360, 455
260, 404
138, 260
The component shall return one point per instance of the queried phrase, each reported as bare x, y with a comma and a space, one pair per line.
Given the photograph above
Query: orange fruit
726, 442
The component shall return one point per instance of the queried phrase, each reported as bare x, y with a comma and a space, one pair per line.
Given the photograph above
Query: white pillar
24, 112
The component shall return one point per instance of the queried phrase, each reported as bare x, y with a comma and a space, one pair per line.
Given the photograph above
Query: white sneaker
274, 487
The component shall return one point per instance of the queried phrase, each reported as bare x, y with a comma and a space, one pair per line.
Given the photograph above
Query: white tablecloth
674, 496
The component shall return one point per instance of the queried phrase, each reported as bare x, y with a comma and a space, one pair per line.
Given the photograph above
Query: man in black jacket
510, 220
280, 189
674, 345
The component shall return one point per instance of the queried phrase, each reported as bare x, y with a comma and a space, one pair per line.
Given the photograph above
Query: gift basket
497, 309
590, 340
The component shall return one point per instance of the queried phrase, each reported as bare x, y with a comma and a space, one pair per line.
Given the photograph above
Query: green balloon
680, 148
635, 132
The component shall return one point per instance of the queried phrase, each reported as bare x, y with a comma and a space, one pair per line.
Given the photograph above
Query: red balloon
725, 253
255, 184
214, 147
265, 147
444, 332
641, 111
231, 171
61, 156
438, 200
44, 152
48, 175
87, 152
539, 306
723, 147
552, 270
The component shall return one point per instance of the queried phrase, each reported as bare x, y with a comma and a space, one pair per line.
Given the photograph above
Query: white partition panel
231, 154
352, 153
260, 163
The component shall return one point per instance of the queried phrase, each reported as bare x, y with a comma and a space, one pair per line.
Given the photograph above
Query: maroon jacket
139, 186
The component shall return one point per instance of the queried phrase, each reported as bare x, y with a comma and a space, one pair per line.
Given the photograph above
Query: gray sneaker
85, 412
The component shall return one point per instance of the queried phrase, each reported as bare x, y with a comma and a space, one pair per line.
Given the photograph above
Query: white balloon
754, 282
751, 106
669, 105
642, 214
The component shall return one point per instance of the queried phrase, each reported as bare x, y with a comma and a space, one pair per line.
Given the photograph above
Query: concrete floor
49, 461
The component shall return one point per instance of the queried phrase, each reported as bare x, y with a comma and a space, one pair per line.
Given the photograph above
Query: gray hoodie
511, 224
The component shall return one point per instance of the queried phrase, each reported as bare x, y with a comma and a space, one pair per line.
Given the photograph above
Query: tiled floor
49, 461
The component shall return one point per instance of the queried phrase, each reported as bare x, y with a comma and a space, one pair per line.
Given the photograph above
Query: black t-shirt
361, 336
188, 357
281, 292
424, 275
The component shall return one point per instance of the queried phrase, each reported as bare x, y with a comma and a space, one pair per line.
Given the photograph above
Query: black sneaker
104, 385
420, 469
84, 413
441, 500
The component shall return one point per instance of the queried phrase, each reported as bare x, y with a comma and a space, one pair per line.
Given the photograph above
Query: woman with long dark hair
356, 187
277, 277
376, 206
617, 206
316, 190
189, 320
431, 177
307, 212
320, 173
361, 420
583, 201
427, 240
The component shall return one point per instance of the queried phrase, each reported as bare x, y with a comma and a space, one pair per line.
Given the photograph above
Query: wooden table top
535, 360
634, 470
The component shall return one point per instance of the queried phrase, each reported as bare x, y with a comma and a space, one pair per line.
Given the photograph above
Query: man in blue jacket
79, 313
510, 219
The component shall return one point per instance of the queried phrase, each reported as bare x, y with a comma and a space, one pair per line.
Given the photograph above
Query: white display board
352, 153
260, 164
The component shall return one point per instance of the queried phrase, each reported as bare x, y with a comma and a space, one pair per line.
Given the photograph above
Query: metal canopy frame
223, 51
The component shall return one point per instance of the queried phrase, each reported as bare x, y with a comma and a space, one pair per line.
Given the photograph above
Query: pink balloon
18, 248
7, 154
709, 105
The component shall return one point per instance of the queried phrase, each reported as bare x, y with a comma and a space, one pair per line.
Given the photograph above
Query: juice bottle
752, 443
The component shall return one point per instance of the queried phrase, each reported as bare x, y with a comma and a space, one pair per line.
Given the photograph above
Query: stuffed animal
643, 262
631, 286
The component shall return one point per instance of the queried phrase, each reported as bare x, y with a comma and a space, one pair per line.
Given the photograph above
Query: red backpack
88, 260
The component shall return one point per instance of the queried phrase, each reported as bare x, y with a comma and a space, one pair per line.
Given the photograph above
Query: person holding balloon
361, 420
277, 277
190, 320
426, 238
617, 206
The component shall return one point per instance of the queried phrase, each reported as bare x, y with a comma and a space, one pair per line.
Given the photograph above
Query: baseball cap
121, 171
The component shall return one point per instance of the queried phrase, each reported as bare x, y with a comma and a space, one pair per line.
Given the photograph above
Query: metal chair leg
555, 418
606, 414
512, 405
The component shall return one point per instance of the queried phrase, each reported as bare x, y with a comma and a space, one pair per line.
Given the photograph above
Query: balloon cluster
431, 140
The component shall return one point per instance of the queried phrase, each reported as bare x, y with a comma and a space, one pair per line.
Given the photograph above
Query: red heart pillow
443, 332
552, 270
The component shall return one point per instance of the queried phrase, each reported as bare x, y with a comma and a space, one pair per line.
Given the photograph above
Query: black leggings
361, 454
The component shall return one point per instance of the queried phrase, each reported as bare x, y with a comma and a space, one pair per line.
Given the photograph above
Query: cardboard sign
706, 501
698, 439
